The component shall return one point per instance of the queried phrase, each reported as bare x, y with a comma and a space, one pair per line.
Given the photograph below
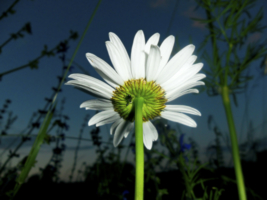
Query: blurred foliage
230, 25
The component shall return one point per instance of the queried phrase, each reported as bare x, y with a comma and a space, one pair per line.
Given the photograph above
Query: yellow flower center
154, 99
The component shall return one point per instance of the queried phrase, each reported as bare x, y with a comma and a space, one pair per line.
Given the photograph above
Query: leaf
33, 153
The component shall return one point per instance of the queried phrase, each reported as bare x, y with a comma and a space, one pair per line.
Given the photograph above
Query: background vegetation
174, 168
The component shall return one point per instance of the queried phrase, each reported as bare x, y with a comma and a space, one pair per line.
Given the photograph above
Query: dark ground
223, 178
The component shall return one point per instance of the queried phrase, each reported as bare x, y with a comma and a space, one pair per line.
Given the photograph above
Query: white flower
148, 73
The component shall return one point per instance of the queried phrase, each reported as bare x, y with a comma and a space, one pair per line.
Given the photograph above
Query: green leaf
34, 152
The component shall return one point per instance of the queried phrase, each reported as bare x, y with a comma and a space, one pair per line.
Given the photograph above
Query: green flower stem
235, 150
139, 149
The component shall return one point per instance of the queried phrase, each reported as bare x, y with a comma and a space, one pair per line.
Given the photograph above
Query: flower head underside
151, 74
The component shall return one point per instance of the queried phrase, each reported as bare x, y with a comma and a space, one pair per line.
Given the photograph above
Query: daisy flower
151, 74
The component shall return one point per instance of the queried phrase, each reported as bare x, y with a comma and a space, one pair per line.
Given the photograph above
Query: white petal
153, 62
109, 120
91, 82
166, 50
183, 93
122, 51
176, 92
153, 40
97, 104
179, 77
118, 61
121, 130
101, 116
105, 70
154, 130
114, 125
177, 74
138, 56
178, 117
186, 74
94, 92
147, 136
175, 64
150, 134
129, 129
192, 82
183, 109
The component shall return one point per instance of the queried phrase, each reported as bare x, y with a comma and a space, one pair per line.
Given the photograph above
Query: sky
51, 22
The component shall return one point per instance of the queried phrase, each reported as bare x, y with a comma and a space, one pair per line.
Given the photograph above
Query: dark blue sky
51, 22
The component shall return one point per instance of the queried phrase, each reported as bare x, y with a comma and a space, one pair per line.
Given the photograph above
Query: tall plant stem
234, 142
78, 47
139, 149
42, 132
